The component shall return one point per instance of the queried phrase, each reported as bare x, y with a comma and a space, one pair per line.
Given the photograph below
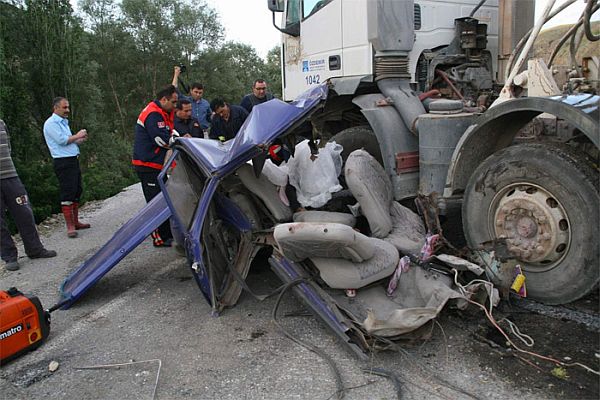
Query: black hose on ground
340, 390
387, 374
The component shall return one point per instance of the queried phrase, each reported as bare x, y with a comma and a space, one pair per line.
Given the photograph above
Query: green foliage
229, 71
272, 71
108, 61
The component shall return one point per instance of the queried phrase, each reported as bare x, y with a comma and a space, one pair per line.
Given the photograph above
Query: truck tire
543, 198
358, 137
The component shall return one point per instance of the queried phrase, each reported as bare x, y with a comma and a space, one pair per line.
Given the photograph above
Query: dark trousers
150, 187
69, 179
13, 197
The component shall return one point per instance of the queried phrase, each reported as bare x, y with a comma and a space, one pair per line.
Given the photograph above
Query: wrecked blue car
343, 260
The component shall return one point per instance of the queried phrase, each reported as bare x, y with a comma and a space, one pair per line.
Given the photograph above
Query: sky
248, 21
567, 16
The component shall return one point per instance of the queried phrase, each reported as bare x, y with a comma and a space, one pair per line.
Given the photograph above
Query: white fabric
276, 174
265, 191
315, 177
299, 241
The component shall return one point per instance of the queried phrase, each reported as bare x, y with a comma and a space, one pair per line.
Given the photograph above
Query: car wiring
340, 389
514, 328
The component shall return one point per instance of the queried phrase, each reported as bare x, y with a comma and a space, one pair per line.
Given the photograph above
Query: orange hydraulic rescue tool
24, 324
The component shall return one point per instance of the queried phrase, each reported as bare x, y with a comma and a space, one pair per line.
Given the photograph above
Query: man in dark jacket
152, 134
259, 95
14, 198
185, 124
227, 121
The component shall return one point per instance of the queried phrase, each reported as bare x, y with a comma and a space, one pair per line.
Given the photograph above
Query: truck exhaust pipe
391, 32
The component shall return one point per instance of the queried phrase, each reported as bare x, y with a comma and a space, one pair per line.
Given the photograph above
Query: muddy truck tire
358, 137
544, 199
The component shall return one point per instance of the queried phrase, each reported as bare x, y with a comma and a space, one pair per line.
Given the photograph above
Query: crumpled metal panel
266, 122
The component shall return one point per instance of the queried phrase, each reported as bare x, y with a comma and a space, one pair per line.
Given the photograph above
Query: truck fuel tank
439, 132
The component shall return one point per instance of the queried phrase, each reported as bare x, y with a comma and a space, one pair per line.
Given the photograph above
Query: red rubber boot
78, 225
67, 211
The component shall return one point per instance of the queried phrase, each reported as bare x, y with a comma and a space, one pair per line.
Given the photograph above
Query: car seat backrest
266, 191
370, 185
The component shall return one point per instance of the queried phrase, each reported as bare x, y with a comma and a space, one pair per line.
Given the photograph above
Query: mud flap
127, 238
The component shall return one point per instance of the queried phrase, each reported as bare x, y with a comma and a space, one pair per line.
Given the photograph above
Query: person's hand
187, 135
177, 70
81, 136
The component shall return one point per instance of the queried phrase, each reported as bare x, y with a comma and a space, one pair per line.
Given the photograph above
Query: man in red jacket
152, 133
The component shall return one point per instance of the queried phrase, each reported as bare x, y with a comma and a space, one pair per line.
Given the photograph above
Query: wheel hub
533, 222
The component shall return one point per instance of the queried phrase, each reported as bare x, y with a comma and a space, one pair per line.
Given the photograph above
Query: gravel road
148, 308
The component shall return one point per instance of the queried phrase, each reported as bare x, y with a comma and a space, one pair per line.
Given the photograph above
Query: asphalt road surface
148, 312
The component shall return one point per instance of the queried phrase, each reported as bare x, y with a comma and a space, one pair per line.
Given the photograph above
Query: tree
197, 28
272, 71
108, 62
228, 71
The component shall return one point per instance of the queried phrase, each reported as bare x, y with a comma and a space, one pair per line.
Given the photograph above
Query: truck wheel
358, 137
543, 198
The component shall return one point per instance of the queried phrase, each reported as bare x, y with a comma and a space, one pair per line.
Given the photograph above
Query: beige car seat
345, 258
265, 191
388, 219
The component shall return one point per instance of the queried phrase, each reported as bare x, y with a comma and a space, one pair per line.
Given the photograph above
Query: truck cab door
316, 54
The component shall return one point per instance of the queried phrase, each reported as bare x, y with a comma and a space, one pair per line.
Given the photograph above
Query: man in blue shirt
227, 121
200, 107
64, 149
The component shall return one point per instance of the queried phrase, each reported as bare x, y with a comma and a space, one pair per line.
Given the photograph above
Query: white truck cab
337, 38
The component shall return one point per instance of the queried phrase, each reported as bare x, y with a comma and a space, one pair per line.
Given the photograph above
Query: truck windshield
309, 7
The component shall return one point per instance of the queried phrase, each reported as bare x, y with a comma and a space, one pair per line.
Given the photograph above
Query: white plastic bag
315, 179
277, 175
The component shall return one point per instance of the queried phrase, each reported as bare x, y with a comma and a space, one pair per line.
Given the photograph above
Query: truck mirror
276, 5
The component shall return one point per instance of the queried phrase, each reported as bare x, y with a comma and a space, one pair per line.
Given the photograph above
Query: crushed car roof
266, 122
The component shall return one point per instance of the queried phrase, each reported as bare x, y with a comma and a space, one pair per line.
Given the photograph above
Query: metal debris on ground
106, 366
